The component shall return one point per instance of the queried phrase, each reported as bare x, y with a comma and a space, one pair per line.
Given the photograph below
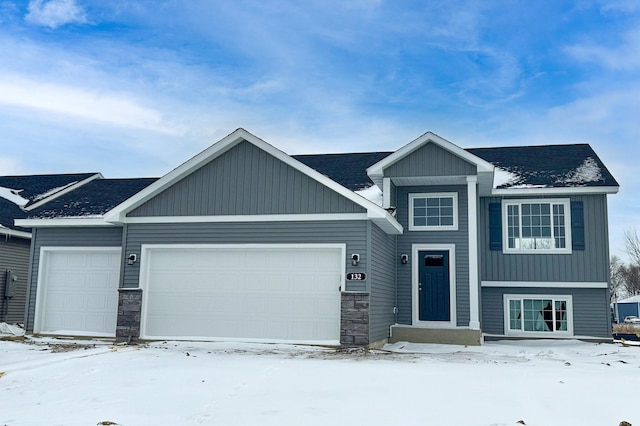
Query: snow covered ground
541, 383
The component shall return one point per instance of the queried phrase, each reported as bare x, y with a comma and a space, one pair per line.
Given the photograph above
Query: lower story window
538, 314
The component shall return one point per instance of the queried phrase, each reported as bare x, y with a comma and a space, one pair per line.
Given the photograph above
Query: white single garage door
78, 291
266, 293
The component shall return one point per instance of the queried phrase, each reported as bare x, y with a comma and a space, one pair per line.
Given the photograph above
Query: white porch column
474, 288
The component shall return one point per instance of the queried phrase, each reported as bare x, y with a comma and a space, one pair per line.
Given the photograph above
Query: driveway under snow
543, 383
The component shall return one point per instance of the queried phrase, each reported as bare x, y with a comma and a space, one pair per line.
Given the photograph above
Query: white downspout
474, 288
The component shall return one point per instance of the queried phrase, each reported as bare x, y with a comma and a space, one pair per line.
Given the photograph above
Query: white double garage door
244, 292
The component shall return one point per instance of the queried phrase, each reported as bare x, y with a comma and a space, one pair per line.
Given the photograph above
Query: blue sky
134, 88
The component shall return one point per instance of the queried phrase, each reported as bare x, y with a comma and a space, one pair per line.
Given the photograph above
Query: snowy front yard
55, 382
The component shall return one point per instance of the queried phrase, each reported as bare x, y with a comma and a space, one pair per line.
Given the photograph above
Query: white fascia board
117, 213
543, 284
557, 191
13, 233
64, 191
45, 223
376, 171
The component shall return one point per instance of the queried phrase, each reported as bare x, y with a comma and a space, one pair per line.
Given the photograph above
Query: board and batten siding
460, 238
588, 265
105, 236
246, 180
382, 269
430, 160
591, 315
14, 256
351, 233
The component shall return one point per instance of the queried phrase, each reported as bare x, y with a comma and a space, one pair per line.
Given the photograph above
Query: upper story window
534, 226
433, 211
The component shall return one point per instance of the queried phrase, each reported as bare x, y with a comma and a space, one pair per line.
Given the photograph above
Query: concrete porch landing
449, 336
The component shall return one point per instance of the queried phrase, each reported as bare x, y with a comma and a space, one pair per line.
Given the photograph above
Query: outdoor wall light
355, 259
132, 259
404, 259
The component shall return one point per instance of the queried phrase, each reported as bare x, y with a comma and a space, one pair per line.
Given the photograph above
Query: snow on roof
588, 171
13, 195
53, 191
371, 193
633, 299
503, 177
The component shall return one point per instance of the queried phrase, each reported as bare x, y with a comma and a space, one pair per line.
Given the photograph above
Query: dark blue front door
433, 286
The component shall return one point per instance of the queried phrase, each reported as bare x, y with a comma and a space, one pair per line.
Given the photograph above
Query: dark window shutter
495, 226
577, 225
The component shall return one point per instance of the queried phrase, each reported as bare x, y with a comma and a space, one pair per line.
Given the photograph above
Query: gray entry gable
246, 180
430, 160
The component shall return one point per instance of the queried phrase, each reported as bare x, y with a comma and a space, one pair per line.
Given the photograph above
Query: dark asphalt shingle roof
10, 211
93, 199
349, 170
549, 165
33, 187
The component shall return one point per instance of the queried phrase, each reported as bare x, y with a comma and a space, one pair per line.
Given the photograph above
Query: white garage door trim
43, 282
145, 265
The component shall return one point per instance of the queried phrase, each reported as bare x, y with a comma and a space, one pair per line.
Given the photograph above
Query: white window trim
567, 225
553, 334
453, 195
415, 266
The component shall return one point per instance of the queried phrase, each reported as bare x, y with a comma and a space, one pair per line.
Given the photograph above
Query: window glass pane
539, 315
433, 202
419, 211
419, 202
561, 315
446, 221
446, 202
433, 221
419, 221
515, 316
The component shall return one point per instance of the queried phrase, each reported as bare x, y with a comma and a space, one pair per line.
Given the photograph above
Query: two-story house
430, 243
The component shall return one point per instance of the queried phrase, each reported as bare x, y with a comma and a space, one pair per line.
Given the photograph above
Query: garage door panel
78, 292
262, 293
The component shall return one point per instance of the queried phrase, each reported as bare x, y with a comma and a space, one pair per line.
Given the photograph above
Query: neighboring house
626, 308
19, 195
245, 242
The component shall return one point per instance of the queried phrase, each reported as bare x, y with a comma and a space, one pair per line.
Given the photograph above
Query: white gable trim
118, 213
64, 191
376, 171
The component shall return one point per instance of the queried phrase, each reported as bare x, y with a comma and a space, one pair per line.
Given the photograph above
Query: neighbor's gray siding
430, 160
382, 283
14, 256
591, 315
351, 233
589, 265
65, 237
246, 181
460, 238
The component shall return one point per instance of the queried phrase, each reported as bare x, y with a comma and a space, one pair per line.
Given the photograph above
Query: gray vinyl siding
589, 265
430, 160
14, 256
351, 233
393, 196
246, 181
65, 237
382, 282
591, 315
460, 238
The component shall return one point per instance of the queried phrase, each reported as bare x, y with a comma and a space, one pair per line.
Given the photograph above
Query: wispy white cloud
87, 104
55, 13
624, 55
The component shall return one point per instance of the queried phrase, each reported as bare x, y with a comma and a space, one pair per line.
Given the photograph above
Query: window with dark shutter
577, 225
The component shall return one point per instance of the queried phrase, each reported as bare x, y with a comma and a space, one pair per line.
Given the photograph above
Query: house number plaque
356, 276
